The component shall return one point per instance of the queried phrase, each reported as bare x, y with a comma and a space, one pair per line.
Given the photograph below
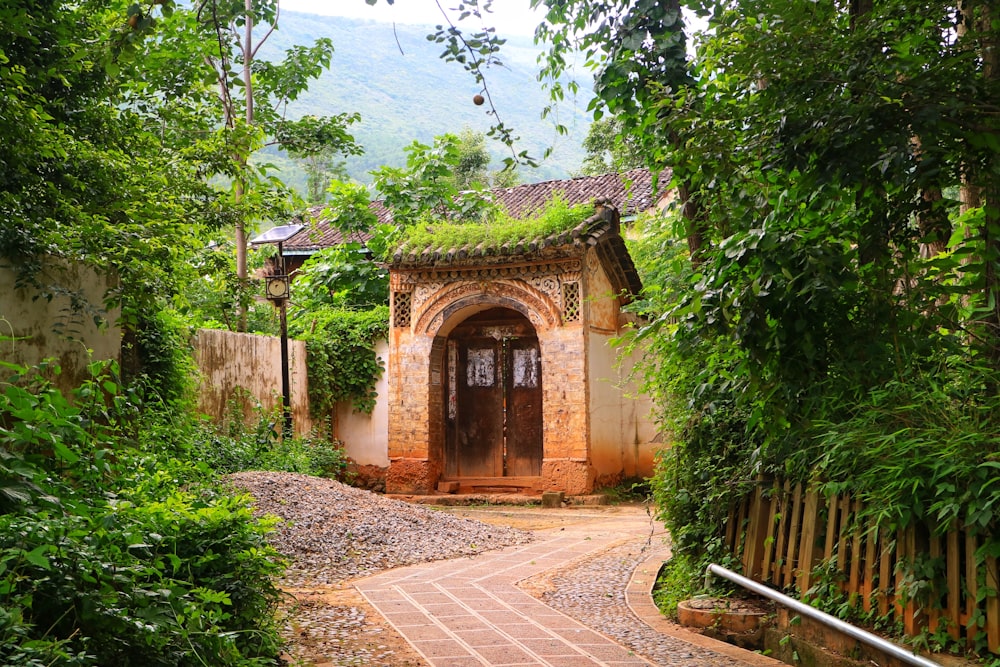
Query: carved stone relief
540, 309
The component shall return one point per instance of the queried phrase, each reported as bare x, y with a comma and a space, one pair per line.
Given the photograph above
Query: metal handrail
895, 650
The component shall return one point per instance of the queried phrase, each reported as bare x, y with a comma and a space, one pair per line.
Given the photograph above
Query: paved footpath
470, 612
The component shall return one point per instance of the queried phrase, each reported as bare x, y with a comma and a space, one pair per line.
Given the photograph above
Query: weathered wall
566, 424
609, 447
62, 327
366, 437
602, 304
408, 395
411, 468
623, 433
640, 432
234, 363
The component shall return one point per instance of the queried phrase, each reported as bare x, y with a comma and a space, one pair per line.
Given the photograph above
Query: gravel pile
332, 532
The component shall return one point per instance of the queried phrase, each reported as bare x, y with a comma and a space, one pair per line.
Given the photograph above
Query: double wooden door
494, 404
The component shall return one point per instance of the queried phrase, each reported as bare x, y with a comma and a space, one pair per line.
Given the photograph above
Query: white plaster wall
607, 439
366, 437
639, 418
622, 427
52, 328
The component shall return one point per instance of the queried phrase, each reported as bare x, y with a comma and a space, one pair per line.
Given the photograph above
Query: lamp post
278, 290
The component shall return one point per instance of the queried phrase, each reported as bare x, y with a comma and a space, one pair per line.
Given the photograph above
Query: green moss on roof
556, 218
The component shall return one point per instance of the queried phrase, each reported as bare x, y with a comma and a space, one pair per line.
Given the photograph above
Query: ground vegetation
499, 230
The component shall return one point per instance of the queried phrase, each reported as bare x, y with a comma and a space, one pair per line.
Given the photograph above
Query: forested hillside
393, 76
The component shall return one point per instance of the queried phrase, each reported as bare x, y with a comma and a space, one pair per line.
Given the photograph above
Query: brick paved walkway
470, 612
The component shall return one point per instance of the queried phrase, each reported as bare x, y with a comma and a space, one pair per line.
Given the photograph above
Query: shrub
241, 443
112, 556
161, 367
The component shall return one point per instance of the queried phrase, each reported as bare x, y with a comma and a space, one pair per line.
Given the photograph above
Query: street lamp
277, 288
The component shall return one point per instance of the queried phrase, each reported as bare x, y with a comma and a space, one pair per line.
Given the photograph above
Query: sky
509, 17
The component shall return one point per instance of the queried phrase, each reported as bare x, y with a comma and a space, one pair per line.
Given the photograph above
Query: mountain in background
394, 77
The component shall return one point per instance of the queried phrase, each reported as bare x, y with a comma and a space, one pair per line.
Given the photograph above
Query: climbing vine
341, 361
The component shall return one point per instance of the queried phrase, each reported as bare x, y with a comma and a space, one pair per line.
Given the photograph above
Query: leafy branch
476, 52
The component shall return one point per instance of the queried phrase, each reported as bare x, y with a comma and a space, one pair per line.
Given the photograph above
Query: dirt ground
334, 626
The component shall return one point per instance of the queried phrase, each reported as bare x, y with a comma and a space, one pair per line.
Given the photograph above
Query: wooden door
494, 404
523, 422
479, 408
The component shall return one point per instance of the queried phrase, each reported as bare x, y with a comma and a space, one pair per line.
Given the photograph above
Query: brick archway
454, 302
570, 287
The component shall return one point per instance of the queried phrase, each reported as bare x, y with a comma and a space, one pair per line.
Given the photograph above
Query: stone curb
638, 597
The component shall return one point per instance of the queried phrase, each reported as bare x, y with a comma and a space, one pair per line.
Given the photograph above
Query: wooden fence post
971, 586
807, 542
954, 577
756, 534
774, 531
992, 605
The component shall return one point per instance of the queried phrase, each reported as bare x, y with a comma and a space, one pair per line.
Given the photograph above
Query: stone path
471, 612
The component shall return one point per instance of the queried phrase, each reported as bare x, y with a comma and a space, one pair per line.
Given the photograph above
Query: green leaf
64, 452
37, 556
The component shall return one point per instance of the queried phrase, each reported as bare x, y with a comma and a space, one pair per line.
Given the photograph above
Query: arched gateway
499, 365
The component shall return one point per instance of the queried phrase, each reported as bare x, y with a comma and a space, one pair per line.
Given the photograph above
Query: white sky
509, 17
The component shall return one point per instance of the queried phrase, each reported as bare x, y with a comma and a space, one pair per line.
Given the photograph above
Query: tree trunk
694, 223
990, 188
935, 227
242, 276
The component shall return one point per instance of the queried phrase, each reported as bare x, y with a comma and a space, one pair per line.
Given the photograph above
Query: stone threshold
472, 499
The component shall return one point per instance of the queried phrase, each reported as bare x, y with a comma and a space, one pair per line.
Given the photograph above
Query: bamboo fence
783, 533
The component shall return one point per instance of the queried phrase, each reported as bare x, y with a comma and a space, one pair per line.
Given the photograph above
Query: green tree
84, 178
104, 537
471, 170
610, 149
429, 185
637, 50
835, 167
343, 277
321, 169
223, 103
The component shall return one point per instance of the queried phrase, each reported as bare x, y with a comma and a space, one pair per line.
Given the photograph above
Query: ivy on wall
340, 356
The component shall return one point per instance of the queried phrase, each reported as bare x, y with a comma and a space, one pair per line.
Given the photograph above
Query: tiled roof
629, 193
320, 236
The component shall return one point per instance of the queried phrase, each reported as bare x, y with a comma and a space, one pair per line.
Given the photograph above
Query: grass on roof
557, 217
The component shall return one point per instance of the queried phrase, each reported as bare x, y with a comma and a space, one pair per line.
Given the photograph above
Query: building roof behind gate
630, 193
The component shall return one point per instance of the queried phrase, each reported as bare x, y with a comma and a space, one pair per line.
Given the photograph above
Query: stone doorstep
463, 499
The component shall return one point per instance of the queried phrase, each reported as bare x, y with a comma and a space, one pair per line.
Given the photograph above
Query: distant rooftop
629, 193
